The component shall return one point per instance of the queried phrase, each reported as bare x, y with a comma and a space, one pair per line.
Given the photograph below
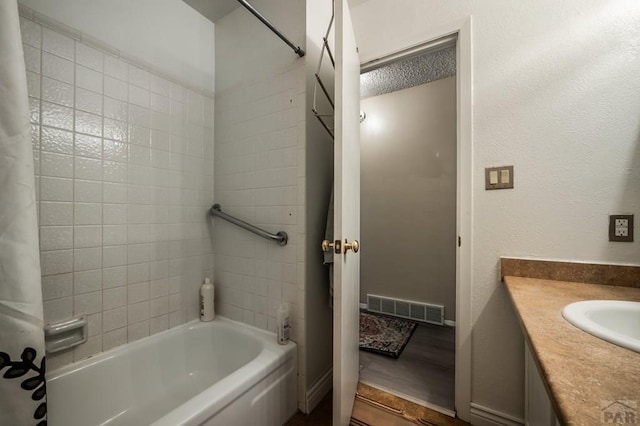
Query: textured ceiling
409, 73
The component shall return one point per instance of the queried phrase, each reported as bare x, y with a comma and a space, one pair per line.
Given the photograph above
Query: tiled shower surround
260, 178
124, 174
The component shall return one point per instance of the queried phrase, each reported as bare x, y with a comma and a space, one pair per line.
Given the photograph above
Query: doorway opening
409, 224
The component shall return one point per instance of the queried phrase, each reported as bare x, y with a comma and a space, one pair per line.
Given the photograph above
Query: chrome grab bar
281, 237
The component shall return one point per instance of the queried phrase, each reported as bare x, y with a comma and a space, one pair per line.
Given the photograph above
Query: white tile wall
259, 177
124, 167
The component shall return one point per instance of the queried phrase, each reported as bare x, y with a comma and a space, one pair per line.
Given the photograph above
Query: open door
346, 272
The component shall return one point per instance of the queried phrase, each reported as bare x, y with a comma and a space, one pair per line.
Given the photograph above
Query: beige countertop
582, 373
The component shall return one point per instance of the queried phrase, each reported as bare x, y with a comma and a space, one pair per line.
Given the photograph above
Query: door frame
464, 201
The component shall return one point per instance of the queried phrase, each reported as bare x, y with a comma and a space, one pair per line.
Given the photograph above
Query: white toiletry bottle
283, 324
206, 301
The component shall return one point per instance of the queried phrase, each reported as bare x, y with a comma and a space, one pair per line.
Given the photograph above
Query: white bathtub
217, 373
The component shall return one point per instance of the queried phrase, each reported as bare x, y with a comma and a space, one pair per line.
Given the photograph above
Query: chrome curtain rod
281, 237
257, 14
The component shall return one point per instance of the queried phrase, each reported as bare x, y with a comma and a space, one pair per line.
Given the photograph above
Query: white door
346, 217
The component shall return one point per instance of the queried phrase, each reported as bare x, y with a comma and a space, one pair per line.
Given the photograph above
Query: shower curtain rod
281, 237
257, 14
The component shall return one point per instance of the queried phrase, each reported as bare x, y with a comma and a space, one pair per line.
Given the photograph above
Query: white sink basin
615, 321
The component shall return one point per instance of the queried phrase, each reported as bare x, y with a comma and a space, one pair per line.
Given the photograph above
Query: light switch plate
621, 228
498, 177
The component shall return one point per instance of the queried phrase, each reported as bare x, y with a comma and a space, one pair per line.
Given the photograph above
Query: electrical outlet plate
621, 228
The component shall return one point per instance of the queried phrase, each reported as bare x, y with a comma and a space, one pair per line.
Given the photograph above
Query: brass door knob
355, 246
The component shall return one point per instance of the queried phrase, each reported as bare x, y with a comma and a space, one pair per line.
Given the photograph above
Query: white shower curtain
22, 385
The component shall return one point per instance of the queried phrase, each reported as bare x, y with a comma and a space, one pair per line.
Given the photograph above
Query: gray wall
318, 184
408, 148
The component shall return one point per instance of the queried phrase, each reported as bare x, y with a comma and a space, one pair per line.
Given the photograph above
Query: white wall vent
426, 312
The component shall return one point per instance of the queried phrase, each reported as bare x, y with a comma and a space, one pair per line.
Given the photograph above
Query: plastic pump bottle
206, 301
283, 324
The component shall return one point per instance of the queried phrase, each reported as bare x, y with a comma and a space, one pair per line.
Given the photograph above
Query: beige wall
408, 147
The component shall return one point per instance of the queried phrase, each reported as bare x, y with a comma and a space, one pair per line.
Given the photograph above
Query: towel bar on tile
281, 237
66, 334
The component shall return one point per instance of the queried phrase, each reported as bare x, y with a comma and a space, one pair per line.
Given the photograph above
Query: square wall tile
56, 189
58, 309
88, 168
116, 89
87, 123
58, 44
89, 57
87, 281
88, 146
57, 92
158, 324
138, 312
88, 303
56, 165
138, 96
56, 237
115, 255
114, 277
88, 101
116, 109
114, 298
138, 77
56, 262
89, 79
56, 140
86, 191
57, 116
57, 68
87, 258
87, 236
114, 338
87, 214
115, 67
115, 129
137, 331
53, 213
115, 151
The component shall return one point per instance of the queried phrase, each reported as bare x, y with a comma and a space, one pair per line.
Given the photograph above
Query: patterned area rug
384, 335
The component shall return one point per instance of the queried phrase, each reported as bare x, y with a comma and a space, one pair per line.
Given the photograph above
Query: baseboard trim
484, 416
319, 389
449, 323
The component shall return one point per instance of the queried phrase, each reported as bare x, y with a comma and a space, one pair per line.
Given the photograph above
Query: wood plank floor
373, 407
424, 371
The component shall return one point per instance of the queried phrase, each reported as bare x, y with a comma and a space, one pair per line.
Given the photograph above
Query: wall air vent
425, 312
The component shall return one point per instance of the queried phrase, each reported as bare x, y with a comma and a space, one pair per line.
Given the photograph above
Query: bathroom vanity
573, 377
